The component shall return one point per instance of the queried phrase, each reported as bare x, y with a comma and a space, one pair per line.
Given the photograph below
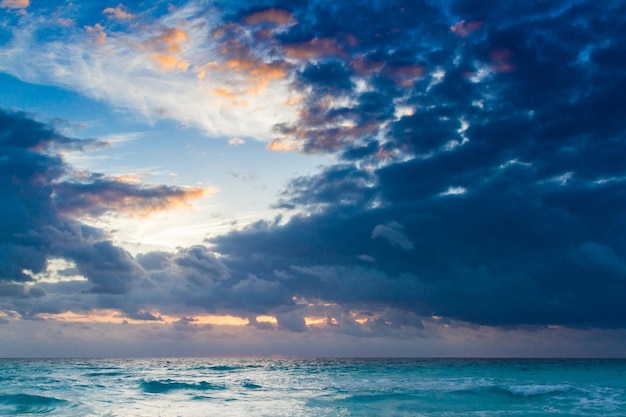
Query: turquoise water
312, 387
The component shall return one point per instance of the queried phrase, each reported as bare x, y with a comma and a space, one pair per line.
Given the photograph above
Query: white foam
536, 389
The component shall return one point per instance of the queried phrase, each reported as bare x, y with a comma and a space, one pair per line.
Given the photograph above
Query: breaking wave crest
520, 391
535, 390
165, 386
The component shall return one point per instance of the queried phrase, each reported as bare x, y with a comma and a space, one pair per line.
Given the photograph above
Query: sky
312, 178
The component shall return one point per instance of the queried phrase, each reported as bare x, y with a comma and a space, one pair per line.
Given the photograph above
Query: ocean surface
312, 387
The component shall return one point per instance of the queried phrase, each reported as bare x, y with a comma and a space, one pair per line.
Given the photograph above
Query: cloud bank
479, 176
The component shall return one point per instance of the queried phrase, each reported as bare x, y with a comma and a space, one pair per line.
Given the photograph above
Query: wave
162, 387
250, 385
378, 397
30, 404
230, 368
223, 368
529, 390
535, 389
102, 374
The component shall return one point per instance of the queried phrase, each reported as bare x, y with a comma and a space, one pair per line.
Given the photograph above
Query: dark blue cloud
329, 77
505, 179
340, 185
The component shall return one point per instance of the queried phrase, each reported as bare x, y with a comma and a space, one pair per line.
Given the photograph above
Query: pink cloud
97, 32
315, 48
120, 12
500, 60
277, 17
405, 76
464, 28
364, 66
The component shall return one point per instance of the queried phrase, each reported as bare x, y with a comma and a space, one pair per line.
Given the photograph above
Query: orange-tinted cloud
98, 195
464, 28
231, 95
129, 178
277, 17
167, 47
170, 62
14, 4
261, 75
170, 40
120, 12
315, 48
238, 61
283, 145
293, 101
259, 72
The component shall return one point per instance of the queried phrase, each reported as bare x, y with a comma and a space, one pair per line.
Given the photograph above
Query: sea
312, 387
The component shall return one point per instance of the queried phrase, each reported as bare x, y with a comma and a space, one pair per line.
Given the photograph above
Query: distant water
312, 387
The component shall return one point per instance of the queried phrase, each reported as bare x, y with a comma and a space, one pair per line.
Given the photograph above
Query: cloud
392, 232
277, 17
339, 185
463, 28
119, 12
165, 67
112, 270
167, 48
508, 245
170, 62
600, 258
282, 145
406, 75
198, 258
314, 48
97, 194
292, 322
15, 4
425, 218
169, 40
236, 141
97, 32
41, 206
366, 258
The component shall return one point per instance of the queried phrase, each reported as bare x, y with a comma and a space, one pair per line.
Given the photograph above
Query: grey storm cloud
40, 199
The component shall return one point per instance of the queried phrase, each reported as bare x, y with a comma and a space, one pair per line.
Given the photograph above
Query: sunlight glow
57, 270
116, 317
266, 319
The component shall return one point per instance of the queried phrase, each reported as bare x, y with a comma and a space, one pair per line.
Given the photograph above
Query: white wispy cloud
157, 70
